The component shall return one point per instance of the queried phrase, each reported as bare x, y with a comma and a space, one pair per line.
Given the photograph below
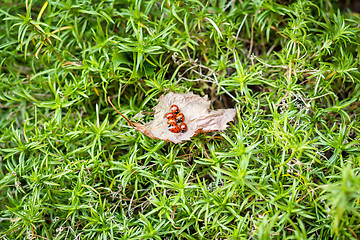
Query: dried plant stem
128, 121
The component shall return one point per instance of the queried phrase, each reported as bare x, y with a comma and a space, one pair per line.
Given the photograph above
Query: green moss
287, 168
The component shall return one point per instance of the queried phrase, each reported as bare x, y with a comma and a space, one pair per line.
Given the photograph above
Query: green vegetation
288, 167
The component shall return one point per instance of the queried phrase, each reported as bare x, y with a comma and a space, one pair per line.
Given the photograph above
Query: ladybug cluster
173, 118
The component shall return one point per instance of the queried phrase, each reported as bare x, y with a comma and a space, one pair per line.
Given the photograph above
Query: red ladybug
180, 117
170, 115
183, 127
171, 121
174, 128
174, 109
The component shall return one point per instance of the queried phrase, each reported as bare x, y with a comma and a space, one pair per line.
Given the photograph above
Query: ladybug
183, 127
174, 109
174, 128
170, 115
180, 117
171, 121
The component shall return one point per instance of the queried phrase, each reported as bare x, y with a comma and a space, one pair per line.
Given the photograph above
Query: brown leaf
198, 117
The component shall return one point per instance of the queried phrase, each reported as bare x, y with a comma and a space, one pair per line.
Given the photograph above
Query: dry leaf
199, 118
